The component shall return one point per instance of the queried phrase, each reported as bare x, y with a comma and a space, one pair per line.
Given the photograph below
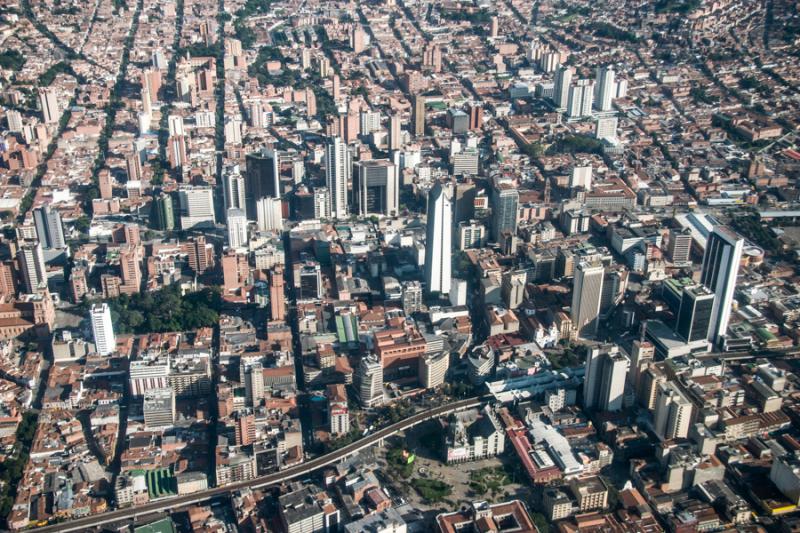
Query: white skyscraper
322, 204
48, 100
581, 96
604, 382
269, 212
581, 176
233, 183
438, 248
606, 88
49, 228
32, 267
563, 81
337, 172
673, 412
370, 381
103, 329
197, 206
721, 262
606, 128
587, 291
237, 227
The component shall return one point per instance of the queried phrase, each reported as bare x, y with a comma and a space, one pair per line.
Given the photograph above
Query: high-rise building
433, 368
466, 191
48, 101
262, 179
513, 288
197, 206
721, 262
550, 61
269, 214
457, 121
438, 246
49, 228
237, 227
412, 297
256, 114
505, 205
235, 271
130, 271
475, 116
358, 39
105, 183
604, 382
376, 188
338, 168
277, 298
162, 214
32, 267
133, 167
370, 381
176, 151
605, 88
419, 115
465, 162
103, 329
622, 88
338, 413
78, 285
244, 428
158, 408
252, 375
150, 371
308, 278
395, 132
370, 121
201, 254
151, 83
694, 314
673, 412
587, 292
613, 287
471, 234
432, 57
680, 246
322, 203
647, 391
234, 186
8, 279
785, 475
581, 176
642, 354
563, 81
581, 96
606, 128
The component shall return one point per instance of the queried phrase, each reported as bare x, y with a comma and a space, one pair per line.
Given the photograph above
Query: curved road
82, 524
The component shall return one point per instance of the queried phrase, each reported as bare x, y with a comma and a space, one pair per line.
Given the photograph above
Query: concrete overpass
301, 470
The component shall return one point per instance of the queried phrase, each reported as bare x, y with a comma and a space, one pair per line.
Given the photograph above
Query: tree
165, 310
431, 490
82, 224
541, 523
